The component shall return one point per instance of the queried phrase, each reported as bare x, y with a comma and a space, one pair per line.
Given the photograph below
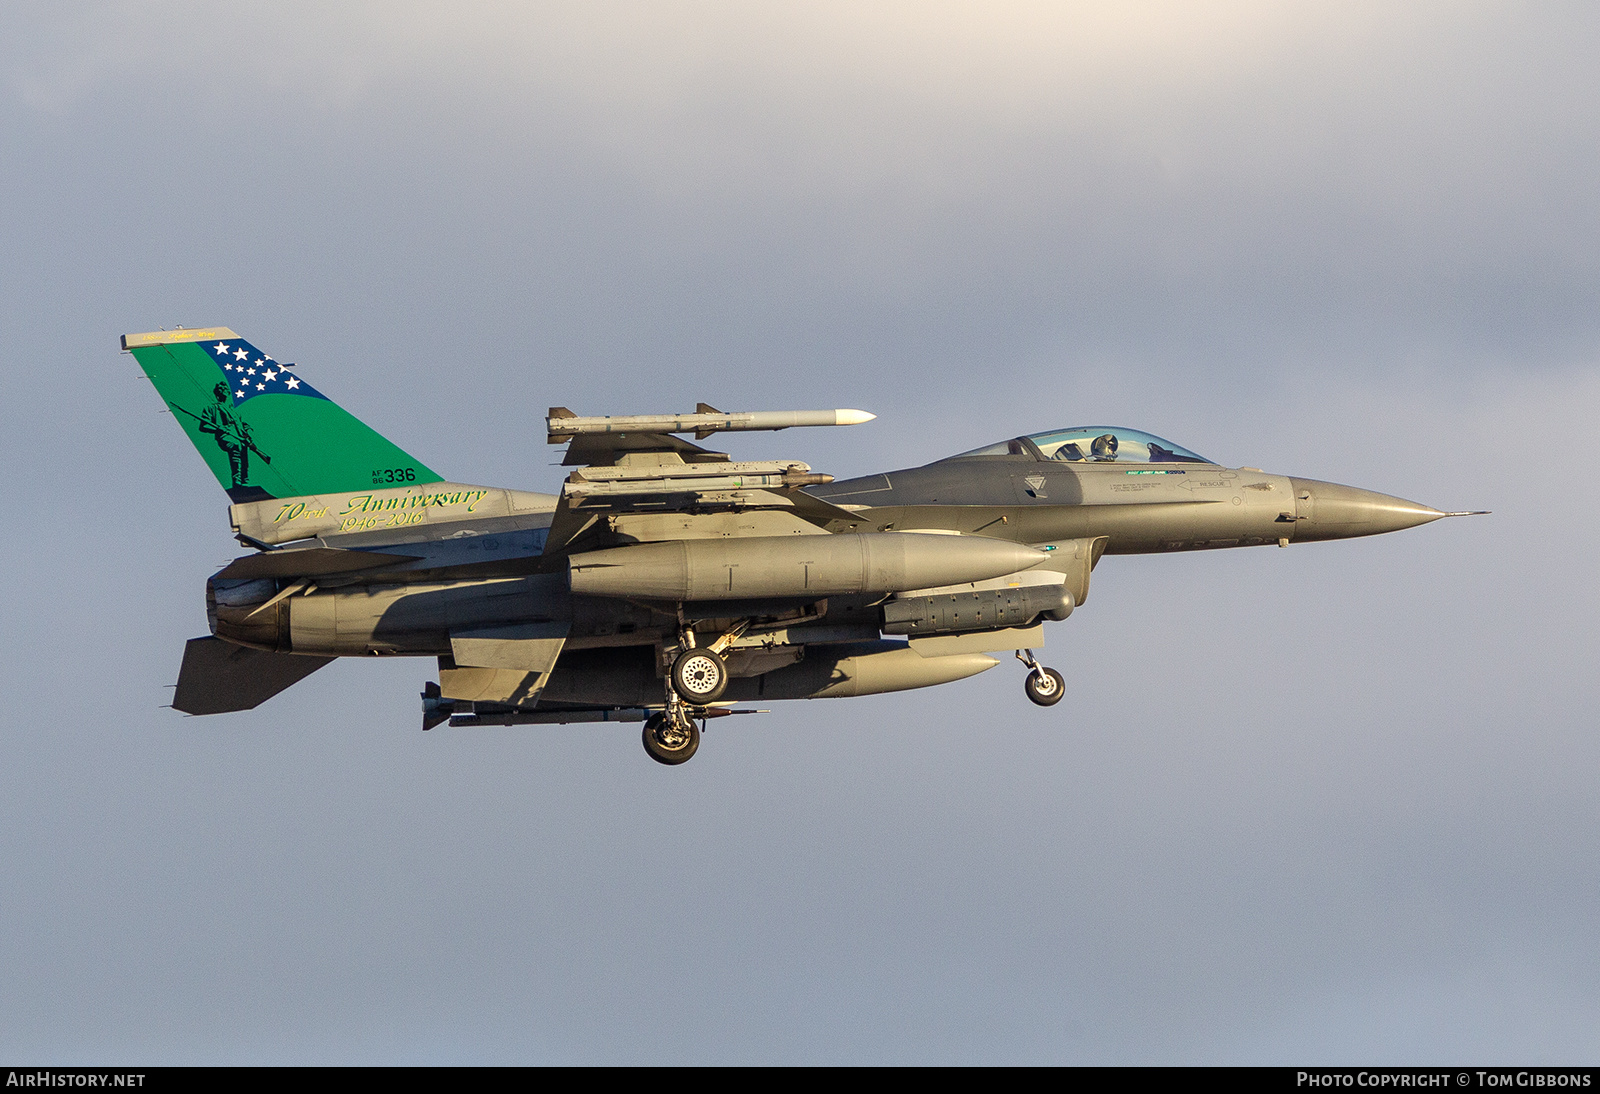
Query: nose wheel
1045, 687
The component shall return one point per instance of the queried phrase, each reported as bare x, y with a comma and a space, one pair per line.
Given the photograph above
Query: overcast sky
1329, 804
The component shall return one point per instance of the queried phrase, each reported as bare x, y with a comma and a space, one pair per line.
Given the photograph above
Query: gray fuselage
820, 616
1139, 508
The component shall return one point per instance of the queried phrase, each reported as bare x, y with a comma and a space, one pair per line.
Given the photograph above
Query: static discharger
562, 424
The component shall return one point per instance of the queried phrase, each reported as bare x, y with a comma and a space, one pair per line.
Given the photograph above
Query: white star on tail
269, 375
241, 354
220, 348
291, 383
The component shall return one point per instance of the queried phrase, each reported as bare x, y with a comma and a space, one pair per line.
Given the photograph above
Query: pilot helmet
1105, 446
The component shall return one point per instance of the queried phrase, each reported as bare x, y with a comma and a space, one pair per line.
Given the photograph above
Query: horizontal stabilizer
218, 677
310, 562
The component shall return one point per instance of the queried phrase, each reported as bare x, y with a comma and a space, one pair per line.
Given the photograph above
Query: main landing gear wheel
699, 676
1045, 686
670, 741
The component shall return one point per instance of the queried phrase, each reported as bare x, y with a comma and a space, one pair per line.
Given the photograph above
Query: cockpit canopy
1091, 444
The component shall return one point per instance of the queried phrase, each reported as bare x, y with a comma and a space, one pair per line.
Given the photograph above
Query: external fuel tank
797, 566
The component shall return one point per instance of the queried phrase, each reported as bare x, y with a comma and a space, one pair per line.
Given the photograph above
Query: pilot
1105, 446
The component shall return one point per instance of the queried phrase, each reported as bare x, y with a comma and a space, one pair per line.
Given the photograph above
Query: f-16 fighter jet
667, 583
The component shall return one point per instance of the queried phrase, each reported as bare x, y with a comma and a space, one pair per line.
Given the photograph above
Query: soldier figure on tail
232, 434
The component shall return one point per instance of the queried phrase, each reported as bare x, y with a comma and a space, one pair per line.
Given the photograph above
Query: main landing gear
671, 737
697, 678
1044, 686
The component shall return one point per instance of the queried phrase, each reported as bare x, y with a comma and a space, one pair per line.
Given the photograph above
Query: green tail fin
263, 431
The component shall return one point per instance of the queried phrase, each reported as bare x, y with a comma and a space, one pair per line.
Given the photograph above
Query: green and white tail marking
263, 431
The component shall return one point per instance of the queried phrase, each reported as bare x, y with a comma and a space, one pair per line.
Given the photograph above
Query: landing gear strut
697, 676
1044, 686
697, 679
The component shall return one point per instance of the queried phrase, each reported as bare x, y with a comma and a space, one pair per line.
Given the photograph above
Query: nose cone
1326, 510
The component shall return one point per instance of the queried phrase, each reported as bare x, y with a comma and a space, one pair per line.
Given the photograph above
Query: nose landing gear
1045, 687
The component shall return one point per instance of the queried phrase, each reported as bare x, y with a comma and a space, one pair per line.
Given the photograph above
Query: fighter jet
667, 583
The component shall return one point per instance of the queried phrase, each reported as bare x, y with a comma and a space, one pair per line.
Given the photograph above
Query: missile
709, 484
795, 566
688, 471
518, 717
690, 478
562, 424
